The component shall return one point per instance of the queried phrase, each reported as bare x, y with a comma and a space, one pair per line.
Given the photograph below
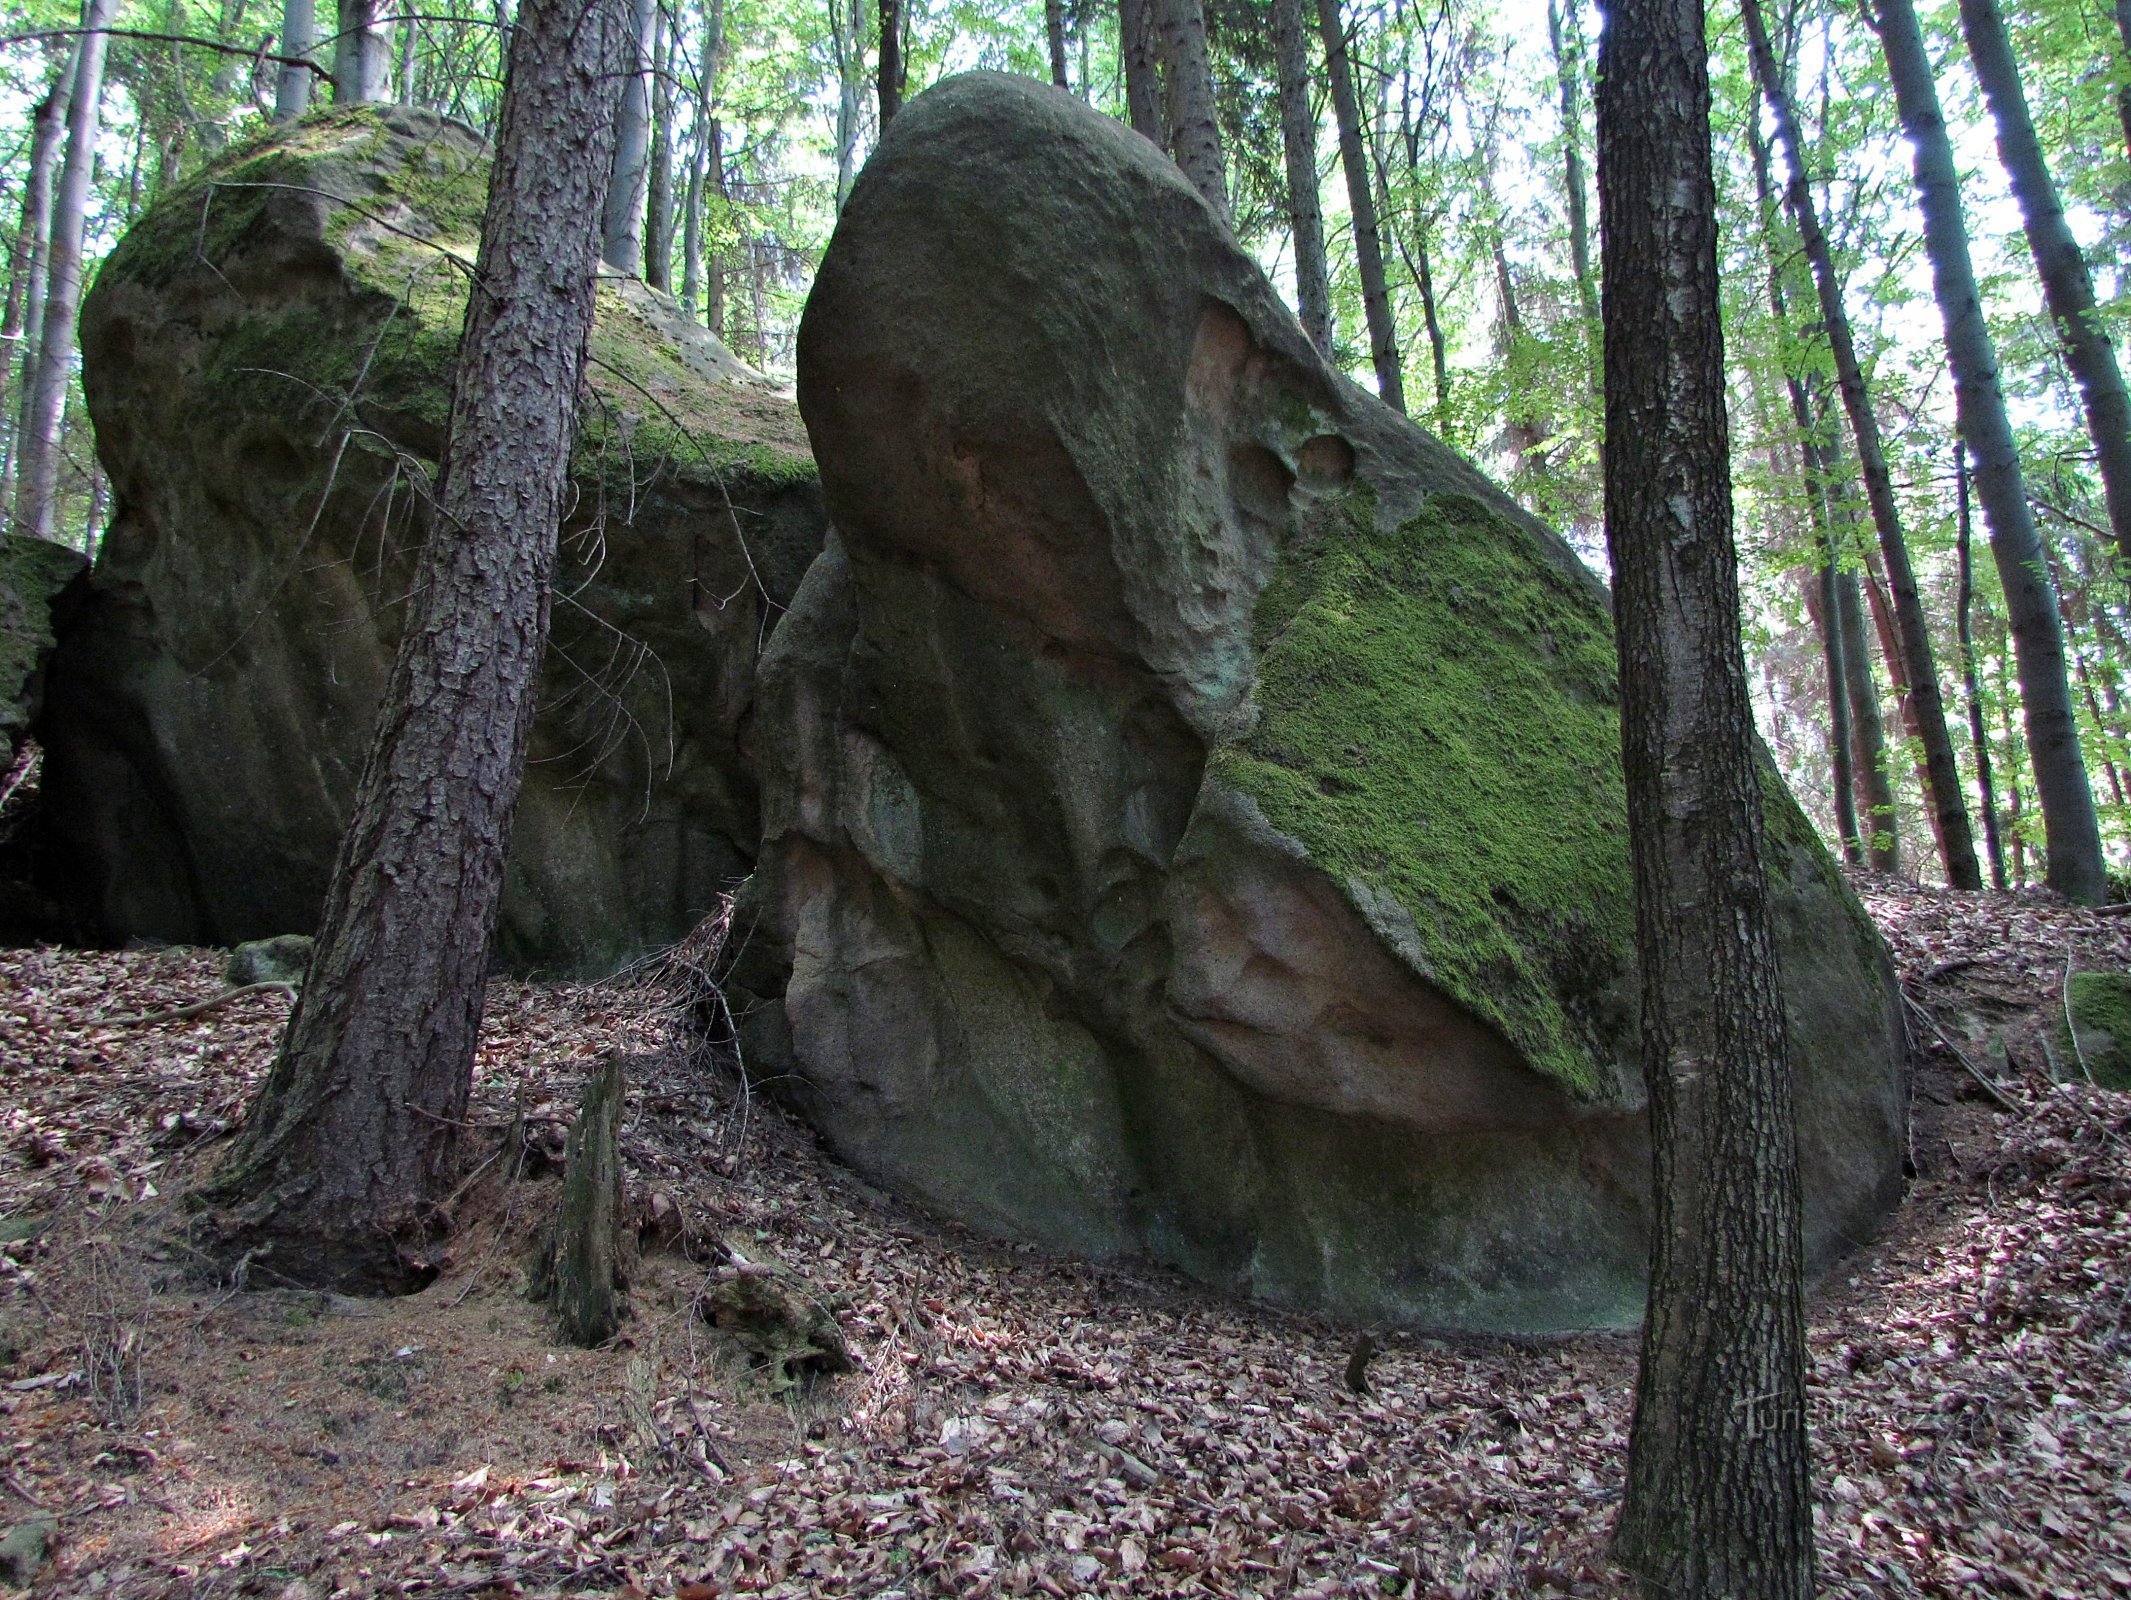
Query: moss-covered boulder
33, 572
2096, 1039
268, 359
1198, 829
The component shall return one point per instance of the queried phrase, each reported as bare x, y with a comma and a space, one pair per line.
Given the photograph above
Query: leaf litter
1016, 1423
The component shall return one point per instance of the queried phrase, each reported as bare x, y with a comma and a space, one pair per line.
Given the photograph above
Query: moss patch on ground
2100, 1004
1438, 720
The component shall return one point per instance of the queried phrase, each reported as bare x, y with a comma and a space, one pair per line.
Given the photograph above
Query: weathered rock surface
32, 574
267, 356
1195, 826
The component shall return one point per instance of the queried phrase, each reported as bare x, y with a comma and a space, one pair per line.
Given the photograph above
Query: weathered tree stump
578, 1265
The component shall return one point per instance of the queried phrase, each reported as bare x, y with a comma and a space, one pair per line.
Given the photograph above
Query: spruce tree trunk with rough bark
1361, 202
299, 32
1188, 104
622, 226
1718, 1500
1919, 667
2067, 286
1142, 69
2072, 833
362, 54
45, 408
352, 1144
1298, 138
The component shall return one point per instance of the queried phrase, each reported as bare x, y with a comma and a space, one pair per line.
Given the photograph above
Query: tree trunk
299, 32
362, 54
352, 1143
1718, 1500
889, 90
1868, 750
1298, 137
578, 1266
622, 227
32, 259
405, 93
1568, 58
2072, 832
847, 42
2067, 287
1361, 200
1143, 79
658, 221
37, 489
1949, 801
1187, 76
1054, 28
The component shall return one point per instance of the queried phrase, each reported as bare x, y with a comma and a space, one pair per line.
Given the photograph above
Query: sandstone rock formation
1194, 823
32, 574
267, 357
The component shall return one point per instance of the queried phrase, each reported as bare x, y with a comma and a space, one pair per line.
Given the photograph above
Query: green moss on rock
1438, 721
2100, 1003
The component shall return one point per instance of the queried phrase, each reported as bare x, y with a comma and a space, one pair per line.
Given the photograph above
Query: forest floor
1018, 1423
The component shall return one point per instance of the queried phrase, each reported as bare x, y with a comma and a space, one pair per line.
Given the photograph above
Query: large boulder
268, 359
1196, 824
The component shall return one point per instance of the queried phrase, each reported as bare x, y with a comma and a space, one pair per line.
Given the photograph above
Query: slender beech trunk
706, 145
1868, 733
1188, 104
847, 41
1718, 1500
622, 227
1361, 201
1143, 77
352, 1144
1568, 62
1054, 29
2123, 86
2015, 800
362, 53
658, 219
2067, 286
33, 244
299, 32
405, 93
1948, 800
1298, 137
1431, 322
692, 216
2072, 832
37, 488
889, 90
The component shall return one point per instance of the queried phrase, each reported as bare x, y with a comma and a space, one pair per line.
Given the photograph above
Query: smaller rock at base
25, 1548
2100, 1007
282, 959
779, 1320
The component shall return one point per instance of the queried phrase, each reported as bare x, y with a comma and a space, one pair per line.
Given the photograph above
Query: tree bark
1298, 138
362, 54
2067, 287
32, 259
1361, 201
1949, 801
1054, 29
658, 219
622, 227
1718, 1500
299, 33
37, 487
1143, 79
889, 90
1187, 78
2072, 833
352, 1143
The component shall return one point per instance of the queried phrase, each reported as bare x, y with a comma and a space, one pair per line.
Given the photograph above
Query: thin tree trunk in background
658, 220
1567, 64
714, 269
37, 488
1361, 202
1925, 707
1718, 1500
2015, 801
1868, 750
692, 215
1438, 347
299, 32
1143, 79
1054, 28
622, 226
405, 95
2067, 286
847, 41
1298, 138
1187, 78
353, 1140
362, 54
33, 244
2123, 87
889, 90
2072, 832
